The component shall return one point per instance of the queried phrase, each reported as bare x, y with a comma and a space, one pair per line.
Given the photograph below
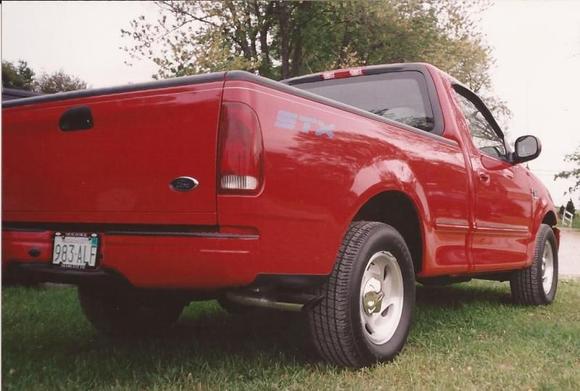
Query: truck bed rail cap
150, 85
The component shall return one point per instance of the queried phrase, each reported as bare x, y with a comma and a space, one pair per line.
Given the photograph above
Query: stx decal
294, 121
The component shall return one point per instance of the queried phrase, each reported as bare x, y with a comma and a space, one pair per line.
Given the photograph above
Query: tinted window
483, 134
399, 96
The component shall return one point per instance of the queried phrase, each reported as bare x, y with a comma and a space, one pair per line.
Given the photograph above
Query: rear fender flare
390, 176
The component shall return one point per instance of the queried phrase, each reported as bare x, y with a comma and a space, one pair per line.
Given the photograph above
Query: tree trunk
265, 24
302, 16
283, 12
297, 54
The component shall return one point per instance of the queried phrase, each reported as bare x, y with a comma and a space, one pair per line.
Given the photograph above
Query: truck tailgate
119, 170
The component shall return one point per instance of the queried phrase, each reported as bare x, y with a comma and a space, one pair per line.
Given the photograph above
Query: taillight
240, 150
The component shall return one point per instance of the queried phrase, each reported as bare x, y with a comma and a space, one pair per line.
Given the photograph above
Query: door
502, 194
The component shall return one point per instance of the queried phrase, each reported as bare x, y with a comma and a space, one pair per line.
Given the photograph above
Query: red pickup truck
331, 193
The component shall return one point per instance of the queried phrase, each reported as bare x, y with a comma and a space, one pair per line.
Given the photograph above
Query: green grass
467, 336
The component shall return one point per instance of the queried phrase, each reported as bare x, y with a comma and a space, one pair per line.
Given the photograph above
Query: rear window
399, 96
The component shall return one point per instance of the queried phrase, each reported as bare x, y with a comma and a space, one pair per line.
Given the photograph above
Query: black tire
335, 321
127, 312
527, 284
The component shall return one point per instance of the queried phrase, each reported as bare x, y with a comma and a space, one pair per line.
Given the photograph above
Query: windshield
399, 96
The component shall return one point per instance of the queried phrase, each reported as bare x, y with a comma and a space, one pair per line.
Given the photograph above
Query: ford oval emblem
184, 183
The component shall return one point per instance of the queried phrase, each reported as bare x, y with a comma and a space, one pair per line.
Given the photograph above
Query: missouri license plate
75, 250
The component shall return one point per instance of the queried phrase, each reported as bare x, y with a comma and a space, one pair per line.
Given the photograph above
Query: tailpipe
294, 302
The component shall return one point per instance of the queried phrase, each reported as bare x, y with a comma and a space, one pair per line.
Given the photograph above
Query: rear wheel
367, 303
537, 284
129, 313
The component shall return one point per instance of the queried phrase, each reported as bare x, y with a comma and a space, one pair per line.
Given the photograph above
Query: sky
536, 47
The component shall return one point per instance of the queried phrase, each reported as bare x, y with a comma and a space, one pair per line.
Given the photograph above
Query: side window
483, 134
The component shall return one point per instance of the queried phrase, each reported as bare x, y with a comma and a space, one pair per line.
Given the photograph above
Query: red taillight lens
240, 150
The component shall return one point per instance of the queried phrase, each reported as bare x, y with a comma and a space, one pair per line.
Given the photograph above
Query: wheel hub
373, 296
382, 297
547, 267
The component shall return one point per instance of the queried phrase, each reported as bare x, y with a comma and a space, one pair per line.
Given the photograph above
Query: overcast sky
536, 45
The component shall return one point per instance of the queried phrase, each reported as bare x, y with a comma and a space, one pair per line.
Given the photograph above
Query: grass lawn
467, 336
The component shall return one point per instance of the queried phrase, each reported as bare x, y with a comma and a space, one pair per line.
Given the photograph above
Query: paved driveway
569, 252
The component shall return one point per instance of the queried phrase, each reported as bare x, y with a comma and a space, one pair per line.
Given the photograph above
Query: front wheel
537, 284
367, 303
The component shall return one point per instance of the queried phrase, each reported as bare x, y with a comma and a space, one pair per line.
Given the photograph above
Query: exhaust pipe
249, 299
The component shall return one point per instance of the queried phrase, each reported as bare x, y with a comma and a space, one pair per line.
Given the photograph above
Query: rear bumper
178, 260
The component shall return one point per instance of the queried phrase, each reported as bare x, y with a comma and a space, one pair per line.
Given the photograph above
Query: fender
385, 176
392, 176
542, 205
540, 214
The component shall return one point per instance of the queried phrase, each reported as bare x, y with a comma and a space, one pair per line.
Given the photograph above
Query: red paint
477, 213
119, 171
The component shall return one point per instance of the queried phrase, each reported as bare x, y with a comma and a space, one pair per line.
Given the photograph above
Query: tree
561, 211
58, 82
570, 207
573, 173
22, 77
19, 75
282, 39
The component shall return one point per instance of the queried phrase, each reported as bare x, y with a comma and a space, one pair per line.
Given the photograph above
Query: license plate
75, 250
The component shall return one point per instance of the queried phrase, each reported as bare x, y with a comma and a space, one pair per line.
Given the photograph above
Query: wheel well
550, 219
397, 210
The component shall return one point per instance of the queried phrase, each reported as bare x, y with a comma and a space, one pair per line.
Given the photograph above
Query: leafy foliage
22, 77
58, 82
561, 211
570, 207
19, 75
573, 173
283, 39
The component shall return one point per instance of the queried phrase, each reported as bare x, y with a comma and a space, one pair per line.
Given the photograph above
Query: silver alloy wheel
547, 267
381, 296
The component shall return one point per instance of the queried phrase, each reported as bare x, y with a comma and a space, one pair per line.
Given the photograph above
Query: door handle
508, 175
484, 177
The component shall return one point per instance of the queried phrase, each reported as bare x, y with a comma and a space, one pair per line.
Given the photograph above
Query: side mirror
526, 148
